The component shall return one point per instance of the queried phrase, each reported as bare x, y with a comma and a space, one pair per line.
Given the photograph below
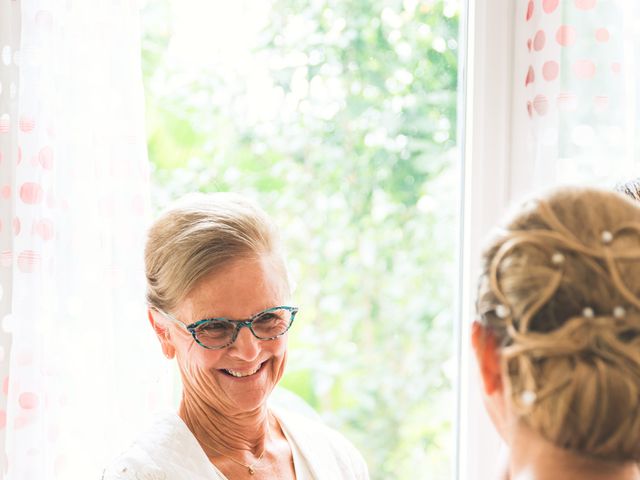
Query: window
340, 118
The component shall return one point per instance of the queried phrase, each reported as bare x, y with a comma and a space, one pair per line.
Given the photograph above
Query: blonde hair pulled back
198, 235
560, 288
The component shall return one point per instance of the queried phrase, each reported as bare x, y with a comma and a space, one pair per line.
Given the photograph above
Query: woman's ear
487, 353
485, 346
162, 332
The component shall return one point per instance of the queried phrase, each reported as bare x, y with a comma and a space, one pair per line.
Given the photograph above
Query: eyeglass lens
217, 333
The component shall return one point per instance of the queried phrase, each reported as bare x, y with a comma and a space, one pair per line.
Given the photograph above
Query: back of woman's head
560, 290
199, 235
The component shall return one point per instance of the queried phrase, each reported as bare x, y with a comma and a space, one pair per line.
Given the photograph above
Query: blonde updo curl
560, 289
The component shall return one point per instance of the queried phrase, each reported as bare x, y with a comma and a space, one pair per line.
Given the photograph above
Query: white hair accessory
528, 397
588, 312
557, 258
607, 237
502, 311
619, 312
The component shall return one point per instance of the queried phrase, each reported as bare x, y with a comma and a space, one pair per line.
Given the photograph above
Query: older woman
219, 303
558, 336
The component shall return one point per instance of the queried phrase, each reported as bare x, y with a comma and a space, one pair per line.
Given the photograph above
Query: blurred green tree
345, 131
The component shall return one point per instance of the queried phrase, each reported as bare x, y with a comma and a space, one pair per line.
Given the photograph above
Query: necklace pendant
251, 471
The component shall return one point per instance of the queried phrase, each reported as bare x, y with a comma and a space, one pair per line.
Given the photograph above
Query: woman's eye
214, 327
266, 318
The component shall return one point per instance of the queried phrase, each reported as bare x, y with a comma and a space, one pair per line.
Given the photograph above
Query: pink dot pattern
549, 5
566, 35
550, 70
561, 76
28, 400
584, 69
74, 202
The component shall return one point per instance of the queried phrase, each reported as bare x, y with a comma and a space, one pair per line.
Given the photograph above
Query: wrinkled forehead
241, 289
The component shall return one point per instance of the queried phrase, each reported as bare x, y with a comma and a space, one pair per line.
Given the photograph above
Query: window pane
340, 118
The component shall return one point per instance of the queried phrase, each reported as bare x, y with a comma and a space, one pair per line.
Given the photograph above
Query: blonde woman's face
240, 377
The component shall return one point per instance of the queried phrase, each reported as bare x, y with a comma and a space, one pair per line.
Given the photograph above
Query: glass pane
340, 118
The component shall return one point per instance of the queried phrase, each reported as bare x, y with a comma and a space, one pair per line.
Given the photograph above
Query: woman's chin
246, 392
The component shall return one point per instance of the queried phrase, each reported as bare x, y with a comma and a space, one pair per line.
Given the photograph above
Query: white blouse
169, 451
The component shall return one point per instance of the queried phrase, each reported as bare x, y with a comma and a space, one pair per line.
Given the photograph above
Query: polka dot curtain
76, 359
575, 108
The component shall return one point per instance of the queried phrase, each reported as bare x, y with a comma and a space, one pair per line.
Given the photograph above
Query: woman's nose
246, 347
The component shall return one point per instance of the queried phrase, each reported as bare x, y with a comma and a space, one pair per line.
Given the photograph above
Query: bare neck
534, 458
225, 432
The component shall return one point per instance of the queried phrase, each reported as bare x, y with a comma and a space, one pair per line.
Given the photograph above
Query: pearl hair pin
528, 398
607, 237
502, 311
557, 258
619, 312
588, 312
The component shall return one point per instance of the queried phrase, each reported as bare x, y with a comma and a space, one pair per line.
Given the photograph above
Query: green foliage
357, 165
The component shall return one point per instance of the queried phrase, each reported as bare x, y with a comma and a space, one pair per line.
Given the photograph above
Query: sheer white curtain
77, 367
575, 92
552, 99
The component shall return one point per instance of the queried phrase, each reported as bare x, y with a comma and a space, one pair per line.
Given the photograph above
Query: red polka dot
21, 421
44, 19
566, 35
602, 35
539, 40
549, 5
5, 191
138, 205
28, 400
24, 358
3, 419
584, 69
27, 124
585, 4
53, 433
29, 261
16, 226
51, 200
530, 8
530, 77
601, 102
550, 70
567, 101
5, 123
6, 257
45, 157
60, 464
31, 193
541, 104
529, 44
616, 67
44, 229
530, 109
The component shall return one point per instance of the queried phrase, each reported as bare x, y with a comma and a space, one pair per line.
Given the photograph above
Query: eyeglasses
217, 333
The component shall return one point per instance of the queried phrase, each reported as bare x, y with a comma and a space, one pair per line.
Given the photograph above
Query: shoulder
152, 455
324, 444
133, 464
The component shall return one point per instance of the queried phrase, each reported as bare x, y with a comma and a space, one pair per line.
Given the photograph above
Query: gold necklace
252, 467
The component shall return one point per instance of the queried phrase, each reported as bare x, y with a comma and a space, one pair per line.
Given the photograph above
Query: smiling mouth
242, 374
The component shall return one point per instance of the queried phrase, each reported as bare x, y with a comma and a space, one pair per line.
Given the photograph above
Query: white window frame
486, 178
